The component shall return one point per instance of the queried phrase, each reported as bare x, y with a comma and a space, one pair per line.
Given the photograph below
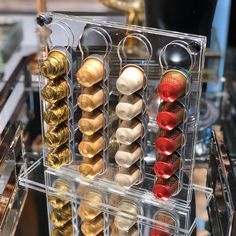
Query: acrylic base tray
149, 203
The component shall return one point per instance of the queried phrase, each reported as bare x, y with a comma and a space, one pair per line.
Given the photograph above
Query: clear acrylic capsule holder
102, 86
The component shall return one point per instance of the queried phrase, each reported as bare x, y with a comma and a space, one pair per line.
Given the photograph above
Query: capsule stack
130, 133
172, 89
122, 225
92, 219
61, 213
92, 101
56, 113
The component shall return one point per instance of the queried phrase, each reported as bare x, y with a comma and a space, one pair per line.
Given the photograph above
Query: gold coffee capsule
91, 122
55, 65
59, 157
57, 136
56, 114
91, 72
131, 80
123, 223
91, 145
91, 98
127, 155
55, 201
129, 131
93, 228
89, 213
126, 177
54, 91
91, 167
129, 107
67, 230
60, 217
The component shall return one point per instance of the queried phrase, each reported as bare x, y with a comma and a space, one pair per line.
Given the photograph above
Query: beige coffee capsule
66, 230
129, 131
123, 223
127, 155
56, 114
126, 177
93, 228
131, 232
91, 145
91, 98
129, 107
89, 211
91, 122
59, 157
90, 167
55, 65
91, 72
57, 136
54, 91
60, 217
130, 80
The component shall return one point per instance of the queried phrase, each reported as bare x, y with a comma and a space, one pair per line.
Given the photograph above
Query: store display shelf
150, 205
14, 211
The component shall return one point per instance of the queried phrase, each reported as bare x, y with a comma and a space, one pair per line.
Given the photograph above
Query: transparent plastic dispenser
119, 107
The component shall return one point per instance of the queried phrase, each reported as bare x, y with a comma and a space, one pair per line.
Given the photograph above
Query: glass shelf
29, 179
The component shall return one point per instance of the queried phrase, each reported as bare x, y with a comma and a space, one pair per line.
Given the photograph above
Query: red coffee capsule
169, 141
170, 115
173, 85
163, 189
157, 232
166, 166
165, 217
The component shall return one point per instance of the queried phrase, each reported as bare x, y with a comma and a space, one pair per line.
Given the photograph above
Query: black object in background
188, 16
232, 26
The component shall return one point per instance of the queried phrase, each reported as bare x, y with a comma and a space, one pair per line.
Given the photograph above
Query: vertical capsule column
173, 90
92, 219
127, 226
131, 110
55, 107
131, 128
167, 223
93, 78
60, 210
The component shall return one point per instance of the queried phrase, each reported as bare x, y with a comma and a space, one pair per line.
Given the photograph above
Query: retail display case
119, 111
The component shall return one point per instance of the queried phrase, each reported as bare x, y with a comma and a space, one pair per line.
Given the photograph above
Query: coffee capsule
56, 114
91, 72
129, 131
54, 91
127, 155
59, 157
129, 107
91, 122
90, 167
130, 80
55, 65
91, 145
91, 98
57, 136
